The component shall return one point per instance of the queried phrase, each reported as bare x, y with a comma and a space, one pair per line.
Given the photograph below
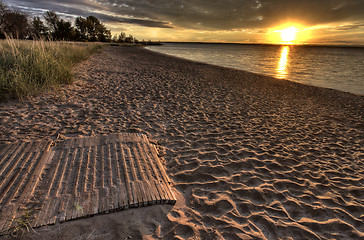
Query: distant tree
14, 23
52, 20
121, 37
103, 34
96, 30
3, 11
38, 28
114, 38
129, 39
81, 27
91, 25
60, 29
92, 29
64, 31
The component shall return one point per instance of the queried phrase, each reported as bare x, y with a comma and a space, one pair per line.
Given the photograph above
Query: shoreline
250, 156
270, 72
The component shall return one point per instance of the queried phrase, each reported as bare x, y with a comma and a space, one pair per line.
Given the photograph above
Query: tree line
15, 23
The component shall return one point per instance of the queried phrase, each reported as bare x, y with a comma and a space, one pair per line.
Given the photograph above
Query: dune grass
28, 68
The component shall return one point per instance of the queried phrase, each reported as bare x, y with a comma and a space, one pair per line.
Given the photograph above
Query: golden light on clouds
186, 35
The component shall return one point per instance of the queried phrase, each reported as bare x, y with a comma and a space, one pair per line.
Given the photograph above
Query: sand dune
251, 157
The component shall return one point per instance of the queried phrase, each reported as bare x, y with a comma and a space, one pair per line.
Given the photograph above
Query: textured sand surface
251, 157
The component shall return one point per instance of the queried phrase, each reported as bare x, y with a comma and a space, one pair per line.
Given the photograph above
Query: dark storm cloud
314, 12
72, 9
210, 14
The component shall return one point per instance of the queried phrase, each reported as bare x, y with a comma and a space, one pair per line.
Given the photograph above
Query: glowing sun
288, 35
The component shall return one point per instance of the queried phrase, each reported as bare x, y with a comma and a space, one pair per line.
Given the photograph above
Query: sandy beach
251, 157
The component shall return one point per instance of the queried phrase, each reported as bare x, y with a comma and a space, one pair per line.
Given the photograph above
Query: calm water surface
340, 68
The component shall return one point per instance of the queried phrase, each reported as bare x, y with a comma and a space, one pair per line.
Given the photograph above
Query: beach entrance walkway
43, 182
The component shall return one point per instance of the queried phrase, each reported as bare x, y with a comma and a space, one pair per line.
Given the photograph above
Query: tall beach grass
28, 68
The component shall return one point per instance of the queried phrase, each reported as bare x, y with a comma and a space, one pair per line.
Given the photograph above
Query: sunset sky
240, 21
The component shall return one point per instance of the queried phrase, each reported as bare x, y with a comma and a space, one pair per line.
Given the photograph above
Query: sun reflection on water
283, 62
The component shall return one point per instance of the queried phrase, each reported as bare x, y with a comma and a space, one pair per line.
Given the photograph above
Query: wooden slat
122, 197
153, 194
108, 165
87, 169
113, 202
33, 180
69, 183
134, 187
9, 152
148, 175
11, 181
158, 192
41, 215
79, 162
57, 160
78, 207
127, 178
102, 163
91, 177
164, 175
94, 141
141, 168
10, 160
135, 193
142, 194
54, 211
94, 202
5, 148
63, 209
88, 205
118, 165
153, 150
69, 207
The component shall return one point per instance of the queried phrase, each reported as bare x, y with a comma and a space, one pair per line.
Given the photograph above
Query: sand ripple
251, 157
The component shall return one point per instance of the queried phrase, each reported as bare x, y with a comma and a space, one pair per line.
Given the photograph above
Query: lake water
340, 68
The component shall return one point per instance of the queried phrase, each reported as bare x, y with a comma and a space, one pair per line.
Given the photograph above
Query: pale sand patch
251, 157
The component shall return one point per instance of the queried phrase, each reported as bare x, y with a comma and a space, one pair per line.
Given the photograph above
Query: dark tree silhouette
60, 29
81, 26
92, 29
129, 39
103, 34
38, 28
64, 31
121, 37
13, 22
51, 19
3, 11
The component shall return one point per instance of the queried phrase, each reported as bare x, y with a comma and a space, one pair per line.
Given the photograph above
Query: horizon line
354, 45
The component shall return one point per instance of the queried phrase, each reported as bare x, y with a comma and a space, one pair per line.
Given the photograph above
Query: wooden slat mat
79, 177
